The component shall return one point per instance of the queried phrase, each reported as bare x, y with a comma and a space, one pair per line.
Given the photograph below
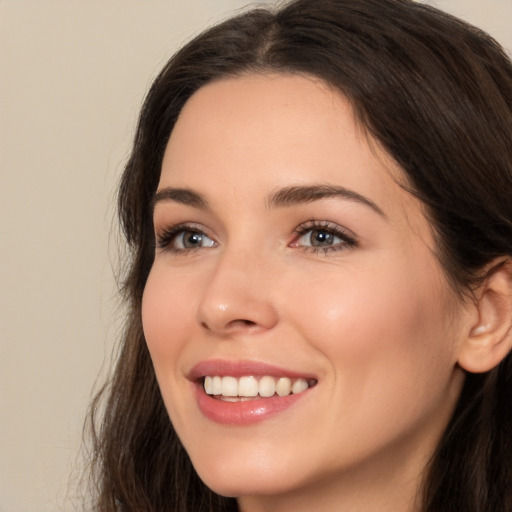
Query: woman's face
288, 255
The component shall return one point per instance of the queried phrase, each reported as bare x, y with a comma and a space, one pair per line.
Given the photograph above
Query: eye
319, 238
323, 236
191, 240
184, 238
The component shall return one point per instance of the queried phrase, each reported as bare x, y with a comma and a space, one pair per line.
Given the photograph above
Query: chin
240, 486
241, 476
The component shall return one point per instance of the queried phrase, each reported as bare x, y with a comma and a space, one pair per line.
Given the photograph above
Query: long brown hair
437, 94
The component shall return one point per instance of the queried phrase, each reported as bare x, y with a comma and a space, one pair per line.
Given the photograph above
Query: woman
318, 210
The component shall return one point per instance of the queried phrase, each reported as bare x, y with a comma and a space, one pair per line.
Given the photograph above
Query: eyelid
349, 239
166, 235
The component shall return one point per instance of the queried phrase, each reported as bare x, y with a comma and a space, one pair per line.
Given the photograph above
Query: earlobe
489, 339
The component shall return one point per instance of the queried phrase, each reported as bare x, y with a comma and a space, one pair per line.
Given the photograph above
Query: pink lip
247, 412
237, 369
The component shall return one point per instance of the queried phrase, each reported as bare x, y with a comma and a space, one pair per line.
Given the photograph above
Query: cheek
348, 307
377, 326
165, 316
386, 342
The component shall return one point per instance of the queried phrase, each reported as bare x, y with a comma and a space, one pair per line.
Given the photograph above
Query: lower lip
243, 413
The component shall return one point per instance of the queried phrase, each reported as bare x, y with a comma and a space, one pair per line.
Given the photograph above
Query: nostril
242, 323
231, 325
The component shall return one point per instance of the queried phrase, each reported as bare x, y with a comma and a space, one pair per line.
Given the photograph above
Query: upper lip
241, 368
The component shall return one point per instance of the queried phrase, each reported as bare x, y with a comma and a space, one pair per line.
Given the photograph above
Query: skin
374, 321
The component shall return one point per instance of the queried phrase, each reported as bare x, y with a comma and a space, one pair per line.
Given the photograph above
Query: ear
489, 339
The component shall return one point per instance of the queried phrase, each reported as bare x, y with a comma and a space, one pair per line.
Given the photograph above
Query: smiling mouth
233, 389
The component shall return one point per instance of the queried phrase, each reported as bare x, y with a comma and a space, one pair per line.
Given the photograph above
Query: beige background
72, 76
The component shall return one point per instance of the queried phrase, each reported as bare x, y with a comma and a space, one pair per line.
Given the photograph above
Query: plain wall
72, 77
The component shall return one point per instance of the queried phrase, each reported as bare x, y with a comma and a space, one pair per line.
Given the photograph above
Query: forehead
260, 132
236, 115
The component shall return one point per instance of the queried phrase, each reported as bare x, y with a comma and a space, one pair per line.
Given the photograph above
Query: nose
237, 297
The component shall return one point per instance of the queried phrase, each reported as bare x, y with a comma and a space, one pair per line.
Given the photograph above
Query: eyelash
165, 239
348, 241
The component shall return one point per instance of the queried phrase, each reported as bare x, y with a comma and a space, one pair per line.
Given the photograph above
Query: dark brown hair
436, 93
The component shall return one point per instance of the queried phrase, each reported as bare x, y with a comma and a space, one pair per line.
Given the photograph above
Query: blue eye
191, 240
183, 238
319, 238
324, 236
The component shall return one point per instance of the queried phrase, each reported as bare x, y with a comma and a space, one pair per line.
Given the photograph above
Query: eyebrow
287, 196
180, 195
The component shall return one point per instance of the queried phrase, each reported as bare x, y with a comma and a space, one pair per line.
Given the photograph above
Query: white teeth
247, 386
266, 386
283, 386
229, 386
233, 389
208, 385
217, 386
299, 386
